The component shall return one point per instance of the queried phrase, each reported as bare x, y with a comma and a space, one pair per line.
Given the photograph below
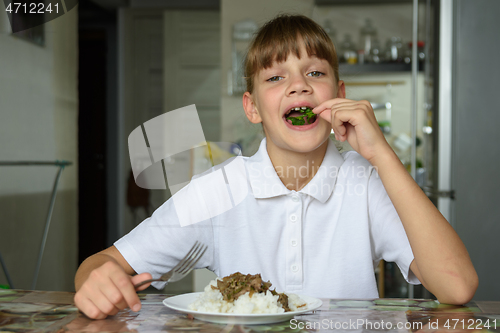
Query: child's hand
355, 122
109, 289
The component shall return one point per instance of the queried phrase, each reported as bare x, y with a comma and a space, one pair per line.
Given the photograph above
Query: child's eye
316, 74
274, 79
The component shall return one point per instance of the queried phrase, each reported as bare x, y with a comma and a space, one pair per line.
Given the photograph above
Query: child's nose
298, 85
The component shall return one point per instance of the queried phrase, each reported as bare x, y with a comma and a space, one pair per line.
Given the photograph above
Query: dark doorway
92, 142
98, 142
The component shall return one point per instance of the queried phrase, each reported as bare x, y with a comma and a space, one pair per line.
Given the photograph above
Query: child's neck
294, 169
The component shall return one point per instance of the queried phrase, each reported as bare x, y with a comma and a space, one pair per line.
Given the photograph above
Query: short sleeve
158, 243
389, 240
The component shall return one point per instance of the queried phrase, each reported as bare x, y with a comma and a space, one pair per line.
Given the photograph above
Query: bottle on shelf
361, 57
394, 50
377, 55
407, 54
348, 50
420, 52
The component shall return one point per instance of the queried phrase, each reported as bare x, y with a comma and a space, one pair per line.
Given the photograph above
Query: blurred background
73, 89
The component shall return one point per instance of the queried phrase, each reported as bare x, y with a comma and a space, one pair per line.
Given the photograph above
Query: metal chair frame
61, 165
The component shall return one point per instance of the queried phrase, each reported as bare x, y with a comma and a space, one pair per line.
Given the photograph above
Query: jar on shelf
348, 50
366, 36
394, 50
242, 34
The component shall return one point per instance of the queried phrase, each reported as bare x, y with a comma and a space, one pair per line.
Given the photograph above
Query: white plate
181, 303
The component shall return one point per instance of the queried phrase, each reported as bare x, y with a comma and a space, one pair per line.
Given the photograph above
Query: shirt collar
265, 182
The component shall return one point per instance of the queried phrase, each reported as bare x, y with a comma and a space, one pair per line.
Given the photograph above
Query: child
314, 221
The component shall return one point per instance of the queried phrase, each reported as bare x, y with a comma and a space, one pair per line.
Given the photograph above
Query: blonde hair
281, 36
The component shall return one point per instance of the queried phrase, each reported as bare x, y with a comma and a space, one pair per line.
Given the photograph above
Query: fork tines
194, 255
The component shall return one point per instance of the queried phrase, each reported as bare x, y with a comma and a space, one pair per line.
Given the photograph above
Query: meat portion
283, 299
233, 286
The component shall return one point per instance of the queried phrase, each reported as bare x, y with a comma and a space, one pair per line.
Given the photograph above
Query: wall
39, 114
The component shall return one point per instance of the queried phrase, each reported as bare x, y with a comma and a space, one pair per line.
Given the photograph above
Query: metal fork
183, 268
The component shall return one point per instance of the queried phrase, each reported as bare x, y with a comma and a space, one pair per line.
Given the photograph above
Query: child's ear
341, 89
251, 109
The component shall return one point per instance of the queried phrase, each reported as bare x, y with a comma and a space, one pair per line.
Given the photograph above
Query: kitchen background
75, 88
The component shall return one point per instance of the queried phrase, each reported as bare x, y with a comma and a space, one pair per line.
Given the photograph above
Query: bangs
285, 35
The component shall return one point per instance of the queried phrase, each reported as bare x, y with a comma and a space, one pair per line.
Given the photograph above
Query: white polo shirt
323, 241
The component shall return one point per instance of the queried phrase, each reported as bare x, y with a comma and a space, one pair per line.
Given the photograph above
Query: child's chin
308, 145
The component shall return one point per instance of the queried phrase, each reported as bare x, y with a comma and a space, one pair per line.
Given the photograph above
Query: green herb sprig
299, 120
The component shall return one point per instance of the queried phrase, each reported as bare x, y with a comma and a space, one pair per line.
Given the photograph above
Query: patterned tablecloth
38, 311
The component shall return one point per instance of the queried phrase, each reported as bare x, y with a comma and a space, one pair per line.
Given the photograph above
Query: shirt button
295, 198
293, 242
293, 217
294, 268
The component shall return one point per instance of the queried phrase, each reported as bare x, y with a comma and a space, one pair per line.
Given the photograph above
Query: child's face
307, 81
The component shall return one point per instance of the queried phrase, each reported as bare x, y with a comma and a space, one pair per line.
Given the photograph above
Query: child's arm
104, 285
441, 261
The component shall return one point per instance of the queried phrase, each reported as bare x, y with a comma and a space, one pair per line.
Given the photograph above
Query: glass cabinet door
374, 42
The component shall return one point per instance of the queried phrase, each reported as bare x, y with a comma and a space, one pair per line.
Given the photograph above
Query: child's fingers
341, 118
327, 105
338, 120
103, 304
338, 124
114, 295
344, 115
353, 105
322, 107
124, 284
326, 114
346, 118
89, 308
141, 277
343, 137
324, 110
360, 111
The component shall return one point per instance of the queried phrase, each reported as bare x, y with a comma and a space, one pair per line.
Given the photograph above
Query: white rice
211, 301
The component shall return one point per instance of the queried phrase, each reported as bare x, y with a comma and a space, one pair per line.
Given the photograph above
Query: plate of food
242, 299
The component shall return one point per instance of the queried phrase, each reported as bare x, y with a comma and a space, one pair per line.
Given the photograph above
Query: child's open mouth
300, 116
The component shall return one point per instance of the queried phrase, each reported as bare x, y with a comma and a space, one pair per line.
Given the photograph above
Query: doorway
92, 212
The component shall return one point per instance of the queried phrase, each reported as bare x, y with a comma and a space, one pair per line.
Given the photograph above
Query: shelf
375, 68
359, 2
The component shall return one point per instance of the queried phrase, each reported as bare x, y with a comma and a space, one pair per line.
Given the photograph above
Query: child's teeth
297, 109
303, 108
